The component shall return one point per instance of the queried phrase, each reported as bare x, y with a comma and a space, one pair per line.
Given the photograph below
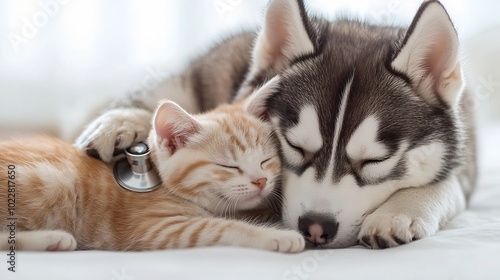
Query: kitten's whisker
275, 200
221, 199
232, 201
236, 205
226, 206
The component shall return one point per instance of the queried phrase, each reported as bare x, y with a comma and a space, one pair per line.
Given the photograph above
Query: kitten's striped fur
66, 199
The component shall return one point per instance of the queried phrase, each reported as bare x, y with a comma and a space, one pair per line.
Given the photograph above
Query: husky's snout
318, 228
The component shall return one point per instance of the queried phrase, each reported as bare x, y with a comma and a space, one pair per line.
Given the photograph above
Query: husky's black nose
318, 228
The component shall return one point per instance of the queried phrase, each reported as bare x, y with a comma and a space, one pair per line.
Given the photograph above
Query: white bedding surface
468, 248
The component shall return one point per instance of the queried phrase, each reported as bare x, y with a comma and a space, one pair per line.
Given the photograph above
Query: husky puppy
374, 124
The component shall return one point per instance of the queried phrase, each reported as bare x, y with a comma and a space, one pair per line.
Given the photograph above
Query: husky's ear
285, 36
256, 103
429, 55
173, 125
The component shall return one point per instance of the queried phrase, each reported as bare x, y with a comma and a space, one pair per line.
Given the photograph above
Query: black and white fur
374, 124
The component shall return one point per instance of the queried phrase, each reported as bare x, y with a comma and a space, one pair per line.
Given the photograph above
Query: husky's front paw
285, 241
118, 128
385, 230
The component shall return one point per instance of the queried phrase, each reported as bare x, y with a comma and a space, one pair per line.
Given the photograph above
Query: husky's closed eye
372, 161
361, 165
376, 170
302, 139
296, 147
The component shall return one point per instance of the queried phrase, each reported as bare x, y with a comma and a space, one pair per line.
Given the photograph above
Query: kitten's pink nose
260, 183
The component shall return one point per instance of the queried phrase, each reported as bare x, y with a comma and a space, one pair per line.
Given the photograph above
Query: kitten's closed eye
265, 161
238, 168
228, 166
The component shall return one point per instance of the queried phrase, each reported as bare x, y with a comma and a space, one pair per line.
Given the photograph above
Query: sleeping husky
374, 124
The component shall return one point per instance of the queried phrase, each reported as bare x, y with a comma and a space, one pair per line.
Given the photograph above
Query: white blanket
468, 248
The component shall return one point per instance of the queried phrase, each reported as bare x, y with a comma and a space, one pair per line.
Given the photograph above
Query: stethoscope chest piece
135, 173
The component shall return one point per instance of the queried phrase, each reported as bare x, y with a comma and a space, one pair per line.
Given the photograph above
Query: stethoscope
135, 172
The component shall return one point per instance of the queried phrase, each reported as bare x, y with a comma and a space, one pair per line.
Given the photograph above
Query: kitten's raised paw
285, 241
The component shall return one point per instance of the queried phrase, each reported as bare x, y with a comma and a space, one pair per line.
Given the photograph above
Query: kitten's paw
384, 230
118, 128
285, 241
45, 240
60, 241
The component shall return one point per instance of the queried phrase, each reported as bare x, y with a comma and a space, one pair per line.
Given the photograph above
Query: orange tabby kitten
211, 164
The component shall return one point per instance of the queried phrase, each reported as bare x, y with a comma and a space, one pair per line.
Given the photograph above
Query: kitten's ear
429, 55
174, 125
286, 35
256, 103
